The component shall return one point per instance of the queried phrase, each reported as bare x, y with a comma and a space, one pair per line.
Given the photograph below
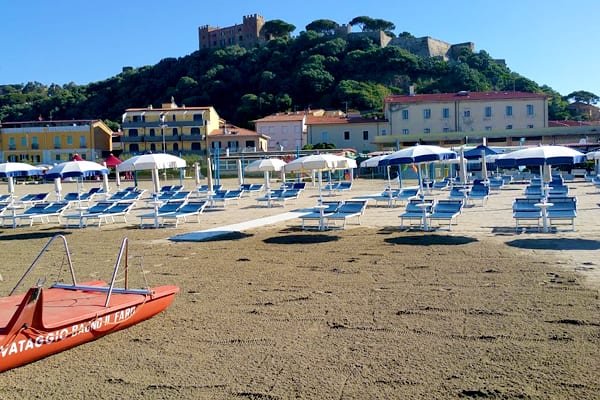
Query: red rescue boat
45, 321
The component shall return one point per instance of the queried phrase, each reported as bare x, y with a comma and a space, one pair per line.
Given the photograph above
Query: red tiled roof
167, 109
449, 97
568, 122
232, 131
312, 120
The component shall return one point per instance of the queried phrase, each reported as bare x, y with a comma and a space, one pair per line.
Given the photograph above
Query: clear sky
552, 42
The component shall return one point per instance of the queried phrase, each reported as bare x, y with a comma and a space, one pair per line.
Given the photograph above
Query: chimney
411, 90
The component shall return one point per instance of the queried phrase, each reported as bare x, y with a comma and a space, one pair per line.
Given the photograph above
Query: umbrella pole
320, 183
425, 227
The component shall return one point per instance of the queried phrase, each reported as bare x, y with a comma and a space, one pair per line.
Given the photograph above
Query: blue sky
549, 41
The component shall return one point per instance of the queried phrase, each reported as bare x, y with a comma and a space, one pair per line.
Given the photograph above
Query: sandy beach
372, 311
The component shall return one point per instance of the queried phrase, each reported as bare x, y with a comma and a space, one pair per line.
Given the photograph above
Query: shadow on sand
555, 244
35, 235
431, 240
301, 239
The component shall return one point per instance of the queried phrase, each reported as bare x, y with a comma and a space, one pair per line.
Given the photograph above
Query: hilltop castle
249, 33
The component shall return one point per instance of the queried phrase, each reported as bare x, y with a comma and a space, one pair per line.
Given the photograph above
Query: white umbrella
266, 165
240, 172
9, 170
319, 163
209, 178
197, 173
152, 162
595, 156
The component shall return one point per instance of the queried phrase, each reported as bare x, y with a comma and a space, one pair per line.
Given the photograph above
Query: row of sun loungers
428, 211
334, 214
174, 212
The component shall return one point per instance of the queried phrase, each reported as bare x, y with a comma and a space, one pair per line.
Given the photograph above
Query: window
426, 130
488, 128
509, 111
324, 137
346, 135
134, 148
152, 132
530, 110
467, 113
508, 126
175, 146
69, 140
405, 131
365, 135
404, 114
82, 141
530, 126
383, 132
427, 113
11, 144
446, 130
175, 131
197, 117
57, 142
34, 143
445, 113
488, 112
23, 141
195, 131
196, 146
133, 132
174, 117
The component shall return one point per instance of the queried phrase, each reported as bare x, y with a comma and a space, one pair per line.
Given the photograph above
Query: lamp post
162, 131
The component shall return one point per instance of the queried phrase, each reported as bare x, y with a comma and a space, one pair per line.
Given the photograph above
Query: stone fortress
249, 34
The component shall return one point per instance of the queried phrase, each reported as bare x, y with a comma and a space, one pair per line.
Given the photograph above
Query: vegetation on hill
316, 69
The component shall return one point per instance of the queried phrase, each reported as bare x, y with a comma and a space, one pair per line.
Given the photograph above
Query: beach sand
372, 311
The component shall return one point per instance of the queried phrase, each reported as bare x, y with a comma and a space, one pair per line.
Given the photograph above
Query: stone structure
246, 34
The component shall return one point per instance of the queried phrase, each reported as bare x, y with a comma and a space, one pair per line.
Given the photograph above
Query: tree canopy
315, 69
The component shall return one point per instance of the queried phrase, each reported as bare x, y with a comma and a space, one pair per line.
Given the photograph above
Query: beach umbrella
9, 170
197, 173
111, 161
76, 157
152, 162
266, 165
475, 152
209, 179
75, 169
240, 172
418, 155
541, 156
319, 163
595, 156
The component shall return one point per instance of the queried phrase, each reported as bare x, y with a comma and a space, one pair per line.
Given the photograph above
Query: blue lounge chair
479, 192
562, 209
41, 213
168, 207
416, 209
318, 214
119, 209
349, 209
188, 210
32, 198
76, 220
225, 196
526, 210
446, 210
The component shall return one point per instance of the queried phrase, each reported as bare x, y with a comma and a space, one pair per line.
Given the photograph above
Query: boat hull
54, 320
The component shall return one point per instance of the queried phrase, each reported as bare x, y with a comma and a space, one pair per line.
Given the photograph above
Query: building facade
286, 131
345, 132
50, 142
246, 34
183, 130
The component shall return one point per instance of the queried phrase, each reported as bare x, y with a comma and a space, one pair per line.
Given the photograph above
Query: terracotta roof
233, 131
168, 109
312, 120
473, 96
568, 122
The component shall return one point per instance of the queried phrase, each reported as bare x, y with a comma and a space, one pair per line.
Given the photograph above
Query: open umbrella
419, 155
75, 169
480, 153
544, 157
9, 170
319, 163
266, 165
152, 162
112, 161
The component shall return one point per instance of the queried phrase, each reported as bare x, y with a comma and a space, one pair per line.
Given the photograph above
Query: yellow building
50, 142
179, 130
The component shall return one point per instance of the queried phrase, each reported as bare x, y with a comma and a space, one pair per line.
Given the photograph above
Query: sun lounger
446, 210
76, 220
184, 213
479, 192
562, 209
250, 188
33, 198
286, 195
42, 212
225, 196
525, 210
348, 210
119, 209
318, 214
170, 206
416, 209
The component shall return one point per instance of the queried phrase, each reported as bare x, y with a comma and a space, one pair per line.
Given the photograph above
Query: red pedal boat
45, 321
